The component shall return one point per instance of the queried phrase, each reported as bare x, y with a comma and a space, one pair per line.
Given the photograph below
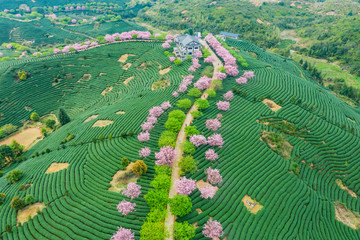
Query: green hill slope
298, 203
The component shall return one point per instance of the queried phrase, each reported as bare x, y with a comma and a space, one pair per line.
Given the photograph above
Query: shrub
177, 61
125, 162
178, 114
14, 175
1, 173
17, 203
8, 228
167, 138
173, 124
211, 93
194, 92
35, 117
163, 169
184, 103
156, 215
152, 231
29, 199
63, 117
191, 130
184, 231
157, 198
139, 167
50, 123
161, 181
188, 164
196, 114
8, 129
6, 152
180, 205
2, 198
189, 147
202, 103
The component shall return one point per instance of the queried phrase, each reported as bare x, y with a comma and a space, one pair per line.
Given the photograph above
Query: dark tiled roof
186, 39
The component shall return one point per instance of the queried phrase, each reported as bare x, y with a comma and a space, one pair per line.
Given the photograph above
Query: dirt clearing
102, 123
122, 178
107, 90
120, 112
91, 118
160, 84
124, 57
126, 66
55, 167
165, 70
346, 216
86, 77
128, 80
30, 211
201, 184
342, 186
272, 105
252, 205
25, 137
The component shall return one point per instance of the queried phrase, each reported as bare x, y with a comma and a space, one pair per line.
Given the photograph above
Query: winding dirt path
175, 175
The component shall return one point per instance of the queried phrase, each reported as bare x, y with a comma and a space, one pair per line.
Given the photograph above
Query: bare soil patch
184, 11
120, 112
86, 77
91, 118
346, 216
107, 90
126, 66
55, 167
29, 212
122, 178
25, 137
102, 123
124, 57
128, 80
342, 186
272, 105
201, 184
101, 74
160, 84
165, 70
252, 205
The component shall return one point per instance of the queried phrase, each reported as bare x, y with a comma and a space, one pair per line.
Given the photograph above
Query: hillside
288, 167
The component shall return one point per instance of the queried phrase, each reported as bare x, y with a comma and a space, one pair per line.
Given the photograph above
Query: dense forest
263, 24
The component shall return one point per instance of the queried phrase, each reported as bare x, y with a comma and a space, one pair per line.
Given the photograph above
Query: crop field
78, 204
97, 29
326, 149
296, 197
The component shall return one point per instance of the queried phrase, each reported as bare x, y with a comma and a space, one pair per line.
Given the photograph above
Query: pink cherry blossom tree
198, 54
213, 124
192, 69
213, 176
212, 229
185, 186
165, 105
203, 83
241, 80
248, 74
143, 136
166, 45
156, 111
198, 140
219, 116
228, 95
172, 58
215, 140
73, 21
123, 234
56, 50
207, 192
223, 105
126, 207
175, 94
211, 155
144, 152
166, 156
210, 59
220, 75
146, 126
132, 190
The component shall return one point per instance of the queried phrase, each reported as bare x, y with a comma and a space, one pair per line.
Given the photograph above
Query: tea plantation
297, 195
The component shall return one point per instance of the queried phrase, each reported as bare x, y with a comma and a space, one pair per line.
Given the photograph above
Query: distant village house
224, 35
186, 45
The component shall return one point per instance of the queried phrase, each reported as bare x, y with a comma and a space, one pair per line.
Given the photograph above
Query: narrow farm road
175, 175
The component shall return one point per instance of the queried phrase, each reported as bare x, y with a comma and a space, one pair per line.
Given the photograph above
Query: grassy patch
278, 143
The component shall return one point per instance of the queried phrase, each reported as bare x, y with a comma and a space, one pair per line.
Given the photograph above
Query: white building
186, 45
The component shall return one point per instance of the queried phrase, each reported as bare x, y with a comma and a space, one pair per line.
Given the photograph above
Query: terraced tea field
262, 195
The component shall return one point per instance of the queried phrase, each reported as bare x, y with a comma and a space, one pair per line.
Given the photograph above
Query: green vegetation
184, 231
188, 164
184, 103
34, 117
14, 176
17, 203
180, 205
167, 138
191, 130
125, 162
63, 117
139, 167
194, 92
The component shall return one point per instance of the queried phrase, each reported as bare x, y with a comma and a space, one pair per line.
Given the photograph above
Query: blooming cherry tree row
187, 80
